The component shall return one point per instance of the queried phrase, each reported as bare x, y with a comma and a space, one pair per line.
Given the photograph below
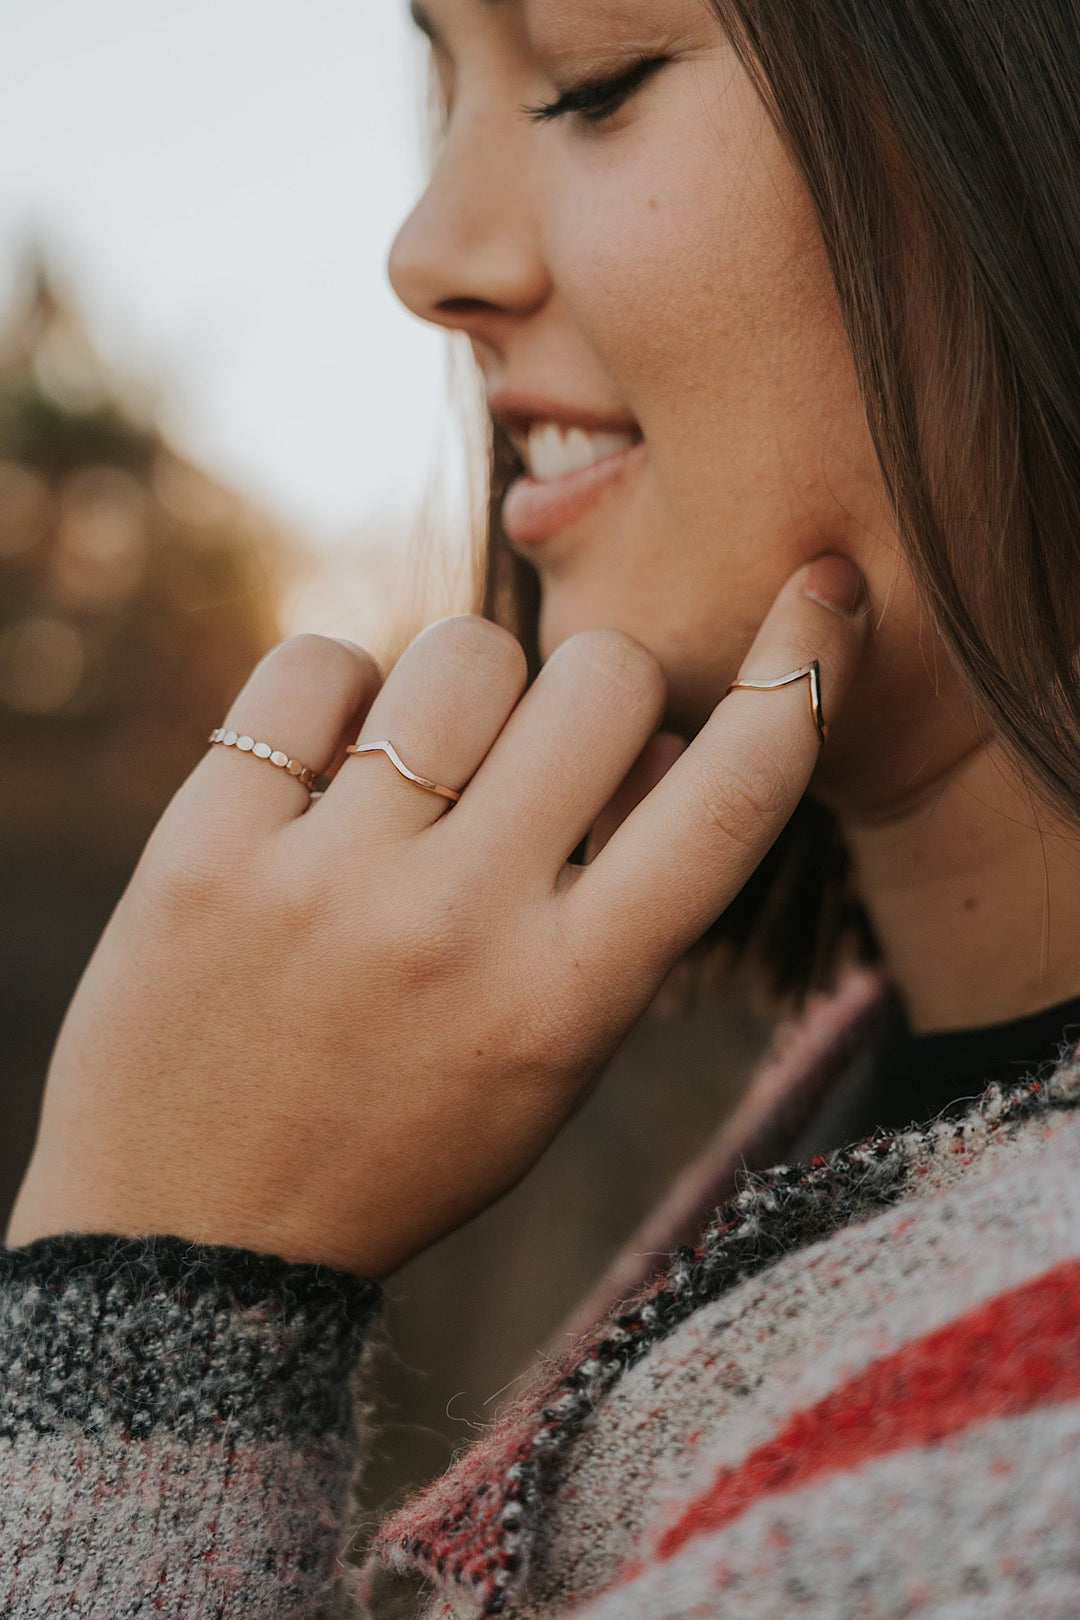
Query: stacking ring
809, 672
273, 756
399, 765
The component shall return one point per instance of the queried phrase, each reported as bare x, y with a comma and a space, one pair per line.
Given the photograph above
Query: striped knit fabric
177, 1430
857, 1395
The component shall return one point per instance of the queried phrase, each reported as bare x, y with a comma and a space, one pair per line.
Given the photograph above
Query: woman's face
645, 289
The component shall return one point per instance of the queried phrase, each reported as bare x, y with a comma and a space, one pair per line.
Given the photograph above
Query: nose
468, 256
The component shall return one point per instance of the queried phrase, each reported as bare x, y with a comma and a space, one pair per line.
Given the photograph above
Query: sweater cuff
131, 1333
179, 1428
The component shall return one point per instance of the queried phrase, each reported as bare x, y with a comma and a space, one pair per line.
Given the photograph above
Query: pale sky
220, 180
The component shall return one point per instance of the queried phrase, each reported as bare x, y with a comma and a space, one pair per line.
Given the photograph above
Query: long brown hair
939, 141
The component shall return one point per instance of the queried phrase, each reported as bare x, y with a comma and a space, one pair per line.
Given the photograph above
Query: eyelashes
597, 99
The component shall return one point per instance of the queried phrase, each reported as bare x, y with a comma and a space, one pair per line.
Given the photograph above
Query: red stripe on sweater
1017, 1351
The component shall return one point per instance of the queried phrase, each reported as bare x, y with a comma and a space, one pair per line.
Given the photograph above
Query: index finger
681, 857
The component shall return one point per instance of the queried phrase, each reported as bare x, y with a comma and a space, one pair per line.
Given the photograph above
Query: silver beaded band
274, 756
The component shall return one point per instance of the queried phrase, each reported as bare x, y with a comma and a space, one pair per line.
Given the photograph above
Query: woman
776, 310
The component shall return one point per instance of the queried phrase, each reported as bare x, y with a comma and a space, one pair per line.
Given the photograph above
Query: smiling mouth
551, 451
567, 471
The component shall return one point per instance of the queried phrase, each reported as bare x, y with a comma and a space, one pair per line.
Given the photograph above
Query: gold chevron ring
809, 672
399, 765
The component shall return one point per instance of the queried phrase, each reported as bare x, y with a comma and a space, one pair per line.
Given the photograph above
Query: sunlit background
215, 186
217, 426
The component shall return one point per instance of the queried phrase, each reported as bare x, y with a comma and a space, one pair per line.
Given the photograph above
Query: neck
973, 887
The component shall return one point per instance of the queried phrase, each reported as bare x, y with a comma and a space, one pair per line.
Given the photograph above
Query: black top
910, 1079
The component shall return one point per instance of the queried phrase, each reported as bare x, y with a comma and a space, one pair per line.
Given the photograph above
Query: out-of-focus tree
135, 595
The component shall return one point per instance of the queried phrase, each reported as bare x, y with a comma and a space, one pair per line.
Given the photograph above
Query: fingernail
837, 584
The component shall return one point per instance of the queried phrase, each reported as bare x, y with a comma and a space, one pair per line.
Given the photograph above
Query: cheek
686, 253
686, 249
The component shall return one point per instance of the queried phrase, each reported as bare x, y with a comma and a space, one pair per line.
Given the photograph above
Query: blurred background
218, 428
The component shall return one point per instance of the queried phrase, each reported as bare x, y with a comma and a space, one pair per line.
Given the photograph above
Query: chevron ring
809, 672
399, 765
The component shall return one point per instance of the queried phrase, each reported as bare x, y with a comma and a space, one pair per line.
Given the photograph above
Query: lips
535, 509
570, 464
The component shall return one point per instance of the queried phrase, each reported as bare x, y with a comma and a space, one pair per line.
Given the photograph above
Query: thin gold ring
261, 750
809, 672
399, 765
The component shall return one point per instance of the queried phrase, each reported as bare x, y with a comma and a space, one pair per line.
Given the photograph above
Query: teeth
553, 452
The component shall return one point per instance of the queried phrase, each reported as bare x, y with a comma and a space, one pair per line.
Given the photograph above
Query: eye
595, 100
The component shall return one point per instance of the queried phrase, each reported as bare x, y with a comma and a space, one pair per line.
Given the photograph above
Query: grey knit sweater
857, 1393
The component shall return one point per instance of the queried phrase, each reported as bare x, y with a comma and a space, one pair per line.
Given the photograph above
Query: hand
335, 1029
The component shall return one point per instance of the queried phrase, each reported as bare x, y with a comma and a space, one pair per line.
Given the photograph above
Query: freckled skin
666, 266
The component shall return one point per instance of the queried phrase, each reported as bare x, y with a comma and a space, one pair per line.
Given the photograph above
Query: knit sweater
856, 1393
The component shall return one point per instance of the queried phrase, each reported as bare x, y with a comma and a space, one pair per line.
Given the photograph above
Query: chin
693, 691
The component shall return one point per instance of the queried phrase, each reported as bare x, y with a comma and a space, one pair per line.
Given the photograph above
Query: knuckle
430, 945
531, 1044
618, 661
526, 1048
561, 1003
739, 801
205, 883
187, 876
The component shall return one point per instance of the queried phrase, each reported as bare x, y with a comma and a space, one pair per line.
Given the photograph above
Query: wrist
49, 1206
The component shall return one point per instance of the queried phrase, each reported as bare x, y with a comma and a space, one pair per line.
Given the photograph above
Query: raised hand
334, 1029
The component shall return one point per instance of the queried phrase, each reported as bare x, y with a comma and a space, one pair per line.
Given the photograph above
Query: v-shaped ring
399, 765
809, 672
